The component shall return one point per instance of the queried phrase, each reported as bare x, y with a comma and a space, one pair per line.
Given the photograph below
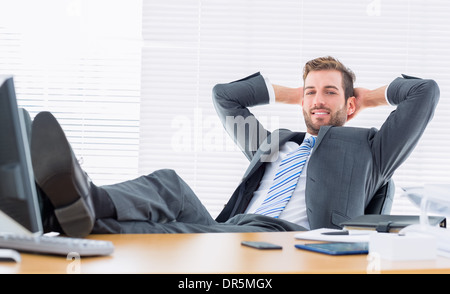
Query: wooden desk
214, 253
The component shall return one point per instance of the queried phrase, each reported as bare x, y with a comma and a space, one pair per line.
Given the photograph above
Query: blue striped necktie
286, 179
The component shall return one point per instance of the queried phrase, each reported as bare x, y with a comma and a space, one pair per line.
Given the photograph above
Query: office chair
381, 202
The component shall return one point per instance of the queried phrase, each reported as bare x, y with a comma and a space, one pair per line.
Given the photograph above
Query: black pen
344, 232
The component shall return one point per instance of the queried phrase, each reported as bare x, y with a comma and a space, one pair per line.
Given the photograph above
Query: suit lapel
269, 149
323, 130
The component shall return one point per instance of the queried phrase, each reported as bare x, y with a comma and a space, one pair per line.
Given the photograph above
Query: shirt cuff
386, 96
269, 90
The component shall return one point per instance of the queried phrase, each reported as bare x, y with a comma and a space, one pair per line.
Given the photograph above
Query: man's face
324, 100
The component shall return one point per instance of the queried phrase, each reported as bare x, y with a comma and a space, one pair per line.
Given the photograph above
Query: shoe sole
54, 169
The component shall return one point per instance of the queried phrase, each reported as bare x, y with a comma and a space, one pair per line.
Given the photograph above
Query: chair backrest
381, 202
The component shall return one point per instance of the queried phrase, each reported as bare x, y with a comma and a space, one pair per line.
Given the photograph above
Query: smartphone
337, 248
261, 245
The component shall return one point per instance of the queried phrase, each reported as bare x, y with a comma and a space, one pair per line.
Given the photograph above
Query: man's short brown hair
331, 63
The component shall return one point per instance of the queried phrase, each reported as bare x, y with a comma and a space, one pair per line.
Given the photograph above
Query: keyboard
56, 245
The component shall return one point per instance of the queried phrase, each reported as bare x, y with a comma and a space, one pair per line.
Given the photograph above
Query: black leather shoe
60, 177
49, 221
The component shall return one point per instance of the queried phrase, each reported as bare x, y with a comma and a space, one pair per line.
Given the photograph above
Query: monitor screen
19, 208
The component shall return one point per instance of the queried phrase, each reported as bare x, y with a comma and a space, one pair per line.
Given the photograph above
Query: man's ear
351, 107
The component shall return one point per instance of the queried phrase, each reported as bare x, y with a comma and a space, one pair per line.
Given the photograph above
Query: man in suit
344, 169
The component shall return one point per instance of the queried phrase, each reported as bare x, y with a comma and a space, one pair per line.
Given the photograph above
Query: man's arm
288, 95
366, 98
232, 101
416, 100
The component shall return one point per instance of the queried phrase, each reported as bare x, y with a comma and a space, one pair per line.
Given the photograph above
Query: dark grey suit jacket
348, 165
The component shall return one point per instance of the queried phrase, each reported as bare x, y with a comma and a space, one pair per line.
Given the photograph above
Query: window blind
80, 61
130, 81
189, 46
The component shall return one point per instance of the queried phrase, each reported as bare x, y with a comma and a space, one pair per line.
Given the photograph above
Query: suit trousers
162, 202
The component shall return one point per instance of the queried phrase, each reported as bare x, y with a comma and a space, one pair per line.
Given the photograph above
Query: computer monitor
19, 207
